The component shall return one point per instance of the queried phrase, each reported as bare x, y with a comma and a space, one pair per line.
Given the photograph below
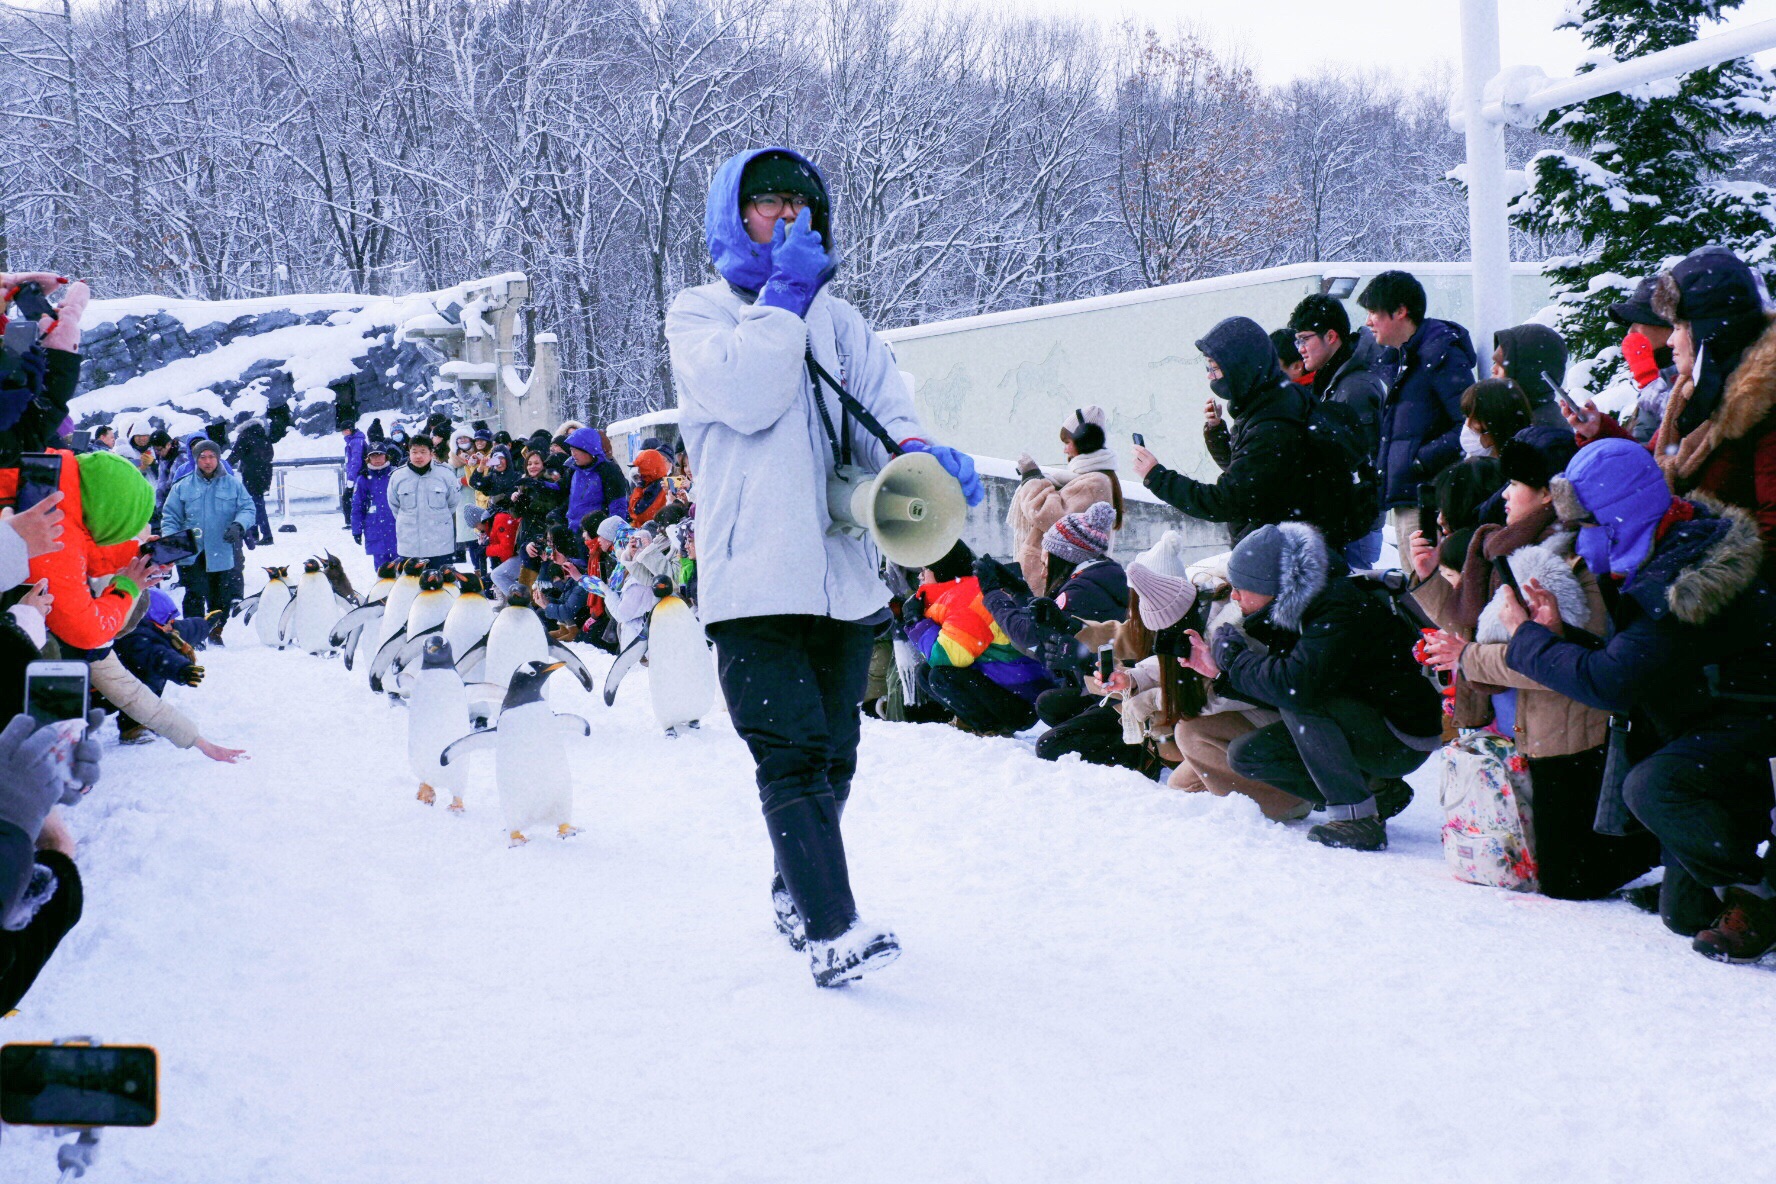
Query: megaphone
913, 508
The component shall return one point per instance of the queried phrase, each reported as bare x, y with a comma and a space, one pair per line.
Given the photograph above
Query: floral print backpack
1486, 824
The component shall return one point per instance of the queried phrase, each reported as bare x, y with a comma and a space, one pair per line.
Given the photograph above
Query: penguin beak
552, 667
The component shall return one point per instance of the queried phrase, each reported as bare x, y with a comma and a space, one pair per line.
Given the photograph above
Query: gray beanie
611, 528
1257, 563
205, 445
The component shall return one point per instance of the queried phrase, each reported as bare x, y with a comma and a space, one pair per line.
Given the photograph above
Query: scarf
1480, 581
1101, 461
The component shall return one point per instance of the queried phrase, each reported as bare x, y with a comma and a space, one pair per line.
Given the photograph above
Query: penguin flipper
348, 645
574, 725
572, 661
385, 657
478, 740
355, 621
466, 663
248, 607
284, 621
626, 661
410, 651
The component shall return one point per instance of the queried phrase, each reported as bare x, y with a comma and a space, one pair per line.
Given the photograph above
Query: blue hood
586, 439
742, 262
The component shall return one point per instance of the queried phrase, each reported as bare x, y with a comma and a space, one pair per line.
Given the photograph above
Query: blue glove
1227, 644
799, 265
957, 464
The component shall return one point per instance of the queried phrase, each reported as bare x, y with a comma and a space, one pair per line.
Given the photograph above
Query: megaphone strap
849, 405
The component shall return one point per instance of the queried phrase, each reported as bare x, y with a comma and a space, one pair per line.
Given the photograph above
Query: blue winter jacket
210, 504
587, 492
149, 653
354, 457
1421, 419
371, 517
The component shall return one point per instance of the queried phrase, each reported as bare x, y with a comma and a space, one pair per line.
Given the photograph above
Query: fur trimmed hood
1751, 391
1547, 563
1304, 569
1701, 566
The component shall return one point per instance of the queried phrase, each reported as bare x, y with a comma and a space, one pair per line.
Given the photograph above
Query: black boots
811, 860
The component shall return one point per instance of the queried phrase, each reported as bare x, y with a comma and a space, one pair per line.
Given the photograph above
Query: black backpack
1341, 492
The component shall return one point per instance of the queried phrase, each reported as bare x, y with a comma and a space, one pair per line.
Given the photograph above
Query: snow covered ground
1103, 979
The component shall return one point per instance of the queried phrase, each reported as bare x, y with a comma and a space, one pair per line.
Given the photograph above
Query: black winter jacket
1695, 620
1330, 638
252, 457
1267, 445
1421, 418
1355, 377
1096, 591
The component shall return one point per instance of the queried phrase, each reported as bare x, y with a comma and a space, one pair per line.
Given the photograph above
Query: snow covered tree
1646, 182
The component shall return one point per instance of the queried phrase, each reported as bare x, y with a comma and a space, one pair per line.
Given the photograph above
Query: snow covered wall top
149, 361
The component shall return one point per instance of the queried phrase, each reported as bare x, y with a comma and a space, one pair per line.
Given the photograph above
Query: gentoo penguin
438, 713
264, 610
515, 637
530, 765
366, 617
309, 618
681, 674
425, 616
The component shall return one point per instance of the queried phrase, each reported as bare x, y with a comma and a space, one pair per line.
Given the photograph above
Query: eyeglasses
1302, 339
772, 204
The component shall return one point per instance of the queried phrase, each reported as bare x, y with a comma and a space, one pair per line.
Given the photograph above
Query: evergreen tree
1646, 181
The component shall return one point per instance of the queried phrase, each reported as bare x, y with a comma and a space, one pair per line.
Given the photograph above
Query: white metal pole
1489, 235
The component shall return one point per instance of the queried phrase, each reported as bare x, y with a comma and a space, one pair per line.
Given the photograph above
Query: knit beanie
779, 172
1256, 564
198, 446
1164, 598
116, 501
1080, 538
611, 529
959, 562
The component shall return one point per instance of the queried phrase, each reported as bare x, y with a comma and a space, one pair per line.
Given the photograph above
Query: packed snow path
1103, 979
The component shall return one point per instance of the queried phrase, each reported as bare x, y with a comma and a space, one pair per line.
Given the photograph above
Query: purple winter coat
371, 517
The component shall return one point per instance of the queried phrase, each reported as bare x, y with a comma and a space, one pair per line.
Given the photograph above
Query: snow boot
1356, 834
134, 734
1745, 931
1392, 795
811, 858
789, 922
851, 955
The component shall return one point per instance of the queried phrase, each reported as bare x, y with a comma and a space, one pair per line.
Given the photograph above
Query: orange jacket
81, 619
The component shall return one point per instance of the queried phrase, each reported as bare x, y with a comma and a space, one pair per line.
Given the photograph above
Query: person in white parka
793, 609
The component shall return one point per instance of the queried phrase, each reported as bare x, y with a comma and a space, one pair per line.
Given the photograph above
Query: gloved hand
190, 676
234, 534
957, 464
358, 537
30, 777
1027, 466
1227, 644
1637, 351
987, 571
799, 265
85, 769
913, 608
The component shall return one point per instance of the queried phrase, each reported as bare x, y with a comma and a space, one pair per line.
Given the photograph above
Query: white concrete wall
1000, 384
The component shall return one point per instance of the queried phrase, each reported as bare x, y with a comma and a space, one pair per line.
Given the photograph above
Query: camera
1173, 641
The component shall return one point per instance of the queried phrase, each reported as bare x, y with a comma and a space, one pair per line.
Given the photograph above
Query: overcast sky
1285, 39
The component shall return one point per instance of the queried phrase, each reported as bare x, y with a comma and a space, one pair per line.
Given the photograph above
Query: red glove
1637, 351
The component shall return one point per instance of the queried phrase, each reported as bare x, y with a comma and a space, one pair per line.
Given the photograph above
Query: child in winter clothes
972, 667
372, 521
649, 495
155, 653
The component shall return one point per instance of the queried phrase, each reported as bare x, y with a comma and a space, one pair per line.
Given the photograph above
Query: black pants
1574, 861
262, 521
793, 684
206, 590
1077, 724
979, 702
24, 953
1326, 756
1706, 795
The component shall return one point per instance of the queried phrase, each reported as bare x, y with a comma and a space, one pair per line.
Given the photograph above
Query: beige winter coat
1038, 504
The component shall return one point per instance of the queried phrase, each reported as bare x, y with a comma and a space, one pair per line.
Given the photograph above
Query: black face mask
1223, 387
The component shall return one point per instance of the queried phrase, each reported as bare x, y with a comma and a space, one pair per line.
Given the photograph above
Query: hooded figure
1266, 449
1534, 357
649, 497
598, 486
1691, 664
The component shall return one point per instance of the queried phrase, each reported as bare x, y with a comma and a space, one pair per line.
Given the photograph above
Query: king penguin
681, 673
265, 610
438, 713
400, 599
425, 616
530, 765
470, 617
352, 626
314, 611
